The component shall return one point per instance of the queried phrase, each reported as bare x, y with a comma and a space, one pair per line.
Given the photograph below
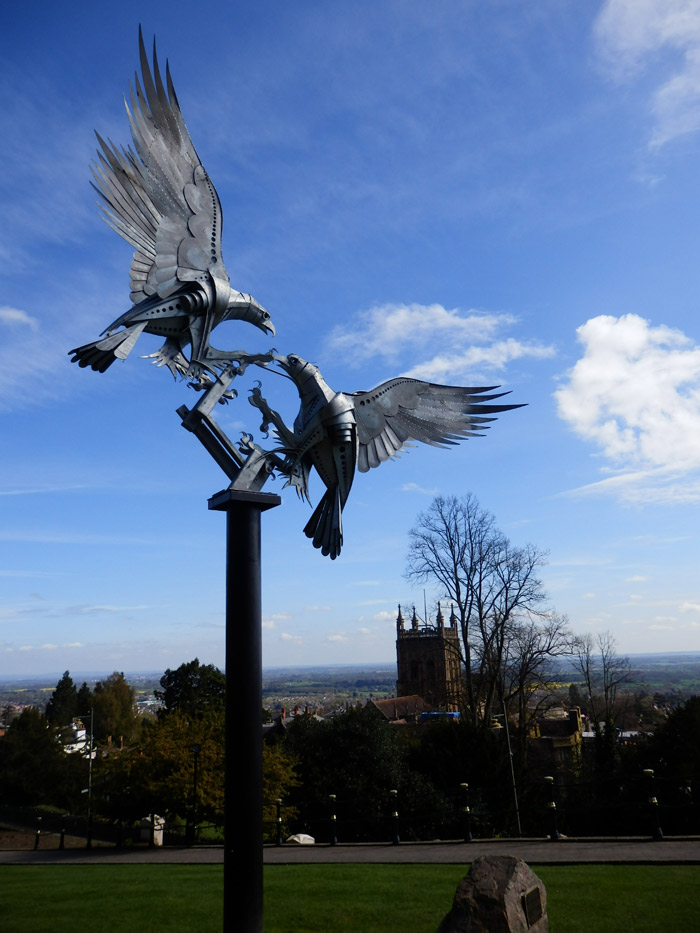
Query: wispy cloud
99, 608
384, 616
635, 394
41, 490
414, 487
13, 317
393, 332
632, 35
270, 621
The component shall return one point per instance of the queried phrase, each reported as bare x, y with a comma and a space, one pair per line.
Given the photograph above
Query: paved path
534, 851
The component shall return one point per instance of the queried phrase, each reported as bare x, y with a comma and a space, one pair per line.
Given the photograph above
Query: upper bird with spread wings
160, 199
339, 432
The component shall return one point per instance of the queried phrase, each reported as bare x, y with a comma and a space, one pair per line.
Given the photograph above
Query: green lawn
326, 898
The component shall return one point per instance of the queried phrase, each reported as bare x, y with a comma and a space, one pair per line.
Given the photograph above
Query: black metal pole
243, 829
467, 814
192, 832
278, 835
393, 796
555, 835
334, 823
656, 832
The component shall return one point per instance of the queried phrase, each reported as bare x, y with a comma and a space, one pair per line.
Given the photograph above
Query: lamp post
196, 749
278, 836
88, 841
395, 816
334, 822
555, 835
512, 768
467, 814
656, 833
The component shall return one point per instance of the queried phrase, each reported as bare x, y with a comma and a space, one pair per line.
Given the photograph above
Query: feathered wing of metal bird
337, 433
159, 198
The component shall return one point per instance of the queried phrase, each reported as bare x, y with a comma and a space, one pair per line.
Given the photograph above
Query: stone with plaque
500, 894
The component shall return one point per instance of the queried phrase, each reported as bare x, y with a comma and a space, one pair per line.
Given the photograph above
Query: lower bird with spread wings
338, 432
159, 198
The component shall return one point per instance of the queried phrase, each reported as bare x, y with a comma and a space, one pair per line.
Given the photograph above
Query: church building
429, 661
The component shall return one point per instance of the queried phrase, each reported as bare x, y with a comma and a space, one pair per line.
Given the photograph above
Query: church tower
429, 661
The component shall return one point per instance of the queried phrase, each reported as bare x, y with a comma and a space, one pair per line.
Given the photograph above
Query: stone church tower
429, 661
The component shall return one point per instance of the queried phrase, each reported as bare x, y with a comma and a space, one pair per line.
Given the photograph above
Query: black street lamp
555, 835
88, 841
656, 833
278, 837
334, 821
196, 749
395, 816
467, 814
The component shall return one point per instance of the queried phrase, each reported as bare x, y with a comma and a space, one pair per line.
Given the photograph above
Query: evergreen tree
33, 767
114, 703
62, 708
85, 702
192, 689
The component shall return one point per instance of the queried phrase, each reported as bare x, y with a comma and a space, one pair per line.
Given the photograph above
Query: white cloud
384, 617
494, 356
394, 331
414, 487
635, 393
634, 35
13, 317
271, 621
106, 608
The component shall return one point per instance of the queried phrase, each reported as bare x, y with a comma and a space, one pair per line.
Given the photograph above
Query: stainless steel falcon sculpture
339, 432
159, 198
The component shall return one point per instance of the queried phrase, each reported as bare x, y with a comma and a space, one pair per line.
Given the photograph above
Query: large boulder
500, 894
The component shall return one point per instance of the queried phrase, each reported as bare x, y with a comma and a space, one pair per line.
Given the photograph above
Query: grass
329, 898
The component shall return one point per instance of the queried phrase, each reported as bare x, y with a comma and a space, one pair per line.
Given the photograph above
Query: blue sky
470, 192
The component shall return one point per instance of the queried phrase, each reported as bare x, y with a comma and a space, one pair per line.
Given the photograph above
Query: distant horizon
345, 665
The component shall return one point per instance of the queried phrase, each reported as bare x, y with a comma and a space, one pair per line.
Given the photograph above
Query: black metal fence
644, 806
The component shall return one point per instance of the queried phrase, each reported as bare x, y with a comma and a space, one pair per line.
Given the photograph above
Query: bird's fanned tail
100, 354
325, 526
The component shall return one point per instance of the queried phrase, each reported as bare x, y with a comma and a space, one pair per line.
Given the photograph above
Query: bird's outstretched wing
159, 197
402, 410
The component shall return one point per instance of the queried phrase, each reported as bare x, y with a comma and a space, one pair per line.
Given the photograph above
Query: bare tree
603, 671
529, 677
493, 586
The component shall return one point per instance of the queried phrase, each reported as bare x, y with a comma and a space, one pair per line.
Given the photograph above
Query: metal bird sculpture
159, 198
339, 432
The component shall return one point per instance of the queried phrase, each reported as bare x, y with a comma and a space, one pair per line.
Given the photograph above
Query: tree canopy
192, 689
114, 704
62, 708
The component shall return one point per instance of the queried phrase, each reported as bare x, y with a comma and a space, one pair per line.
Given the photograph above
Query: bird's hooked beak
292, 366
242, 307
